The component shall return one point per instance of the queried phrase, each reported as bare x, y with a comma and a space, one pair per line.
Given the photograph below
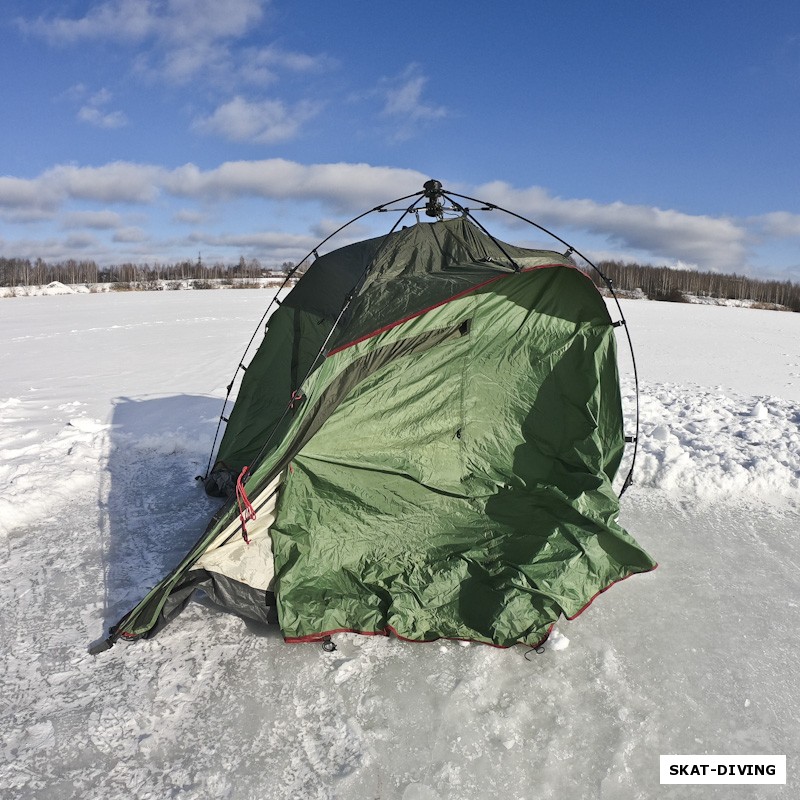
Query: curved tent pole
351, 294
275, 301
609, 285
432, 191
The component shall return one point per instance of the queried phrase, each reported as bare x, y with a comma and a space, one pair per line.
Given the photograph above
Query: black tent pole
273, 302
433, 191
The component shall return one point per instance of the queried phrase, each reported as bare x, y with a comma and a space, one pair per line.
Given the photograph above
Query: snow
190, 284
108, 406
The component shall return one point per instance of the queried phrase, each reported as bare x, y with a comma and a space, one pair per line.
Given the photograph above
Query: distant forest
664, 283
657, 283
24, 272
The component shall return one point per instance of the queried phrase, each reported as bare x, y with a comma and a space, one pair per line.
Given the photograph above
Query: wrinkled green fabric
289, 348
466, 491
448, 471
406, 272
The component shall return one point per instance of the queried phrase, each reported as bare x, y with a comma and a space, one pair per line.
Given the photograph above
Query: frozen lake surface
108, 405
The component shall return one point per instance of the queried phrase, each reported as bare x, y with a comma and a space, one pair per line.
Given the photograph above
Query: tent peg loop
537, 650
100, 646
327, 644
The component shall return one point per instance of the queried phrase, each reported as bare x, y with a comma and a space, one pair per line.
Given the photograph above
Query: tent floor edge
101, 645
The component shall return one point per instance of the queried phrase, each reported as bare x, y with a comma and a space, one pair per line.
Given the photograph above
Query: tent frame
435, 201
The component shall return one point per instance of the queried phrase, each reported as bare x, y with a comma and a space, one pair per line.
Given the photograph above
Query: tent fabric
446, 468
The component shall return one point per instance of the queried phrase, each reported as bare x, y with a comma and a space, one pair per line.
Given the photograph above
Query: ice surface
108, 405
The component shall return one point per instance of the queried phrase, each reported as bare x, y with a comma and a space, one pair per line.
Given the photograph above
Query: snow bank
189, 284
56, 287
708, 445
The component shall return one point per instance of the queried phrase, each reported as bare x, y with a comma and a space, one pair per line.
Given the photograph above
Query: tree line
665, 283
27, 272
657, 283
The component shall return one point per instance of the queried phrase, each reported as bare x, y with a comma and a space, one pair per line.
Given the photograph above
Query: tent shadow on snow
155, 508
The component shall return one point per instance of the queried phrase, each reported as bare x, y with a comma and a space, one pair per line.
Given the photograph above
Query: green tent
424, 444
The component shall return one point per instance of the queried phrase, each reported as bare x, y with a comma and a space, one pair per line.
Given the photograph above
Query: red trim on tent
318, 637
602, 591
389, 630
442, 303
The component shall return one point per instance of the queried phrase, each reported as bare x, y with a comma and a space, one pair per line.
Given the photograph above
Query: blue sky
141, 130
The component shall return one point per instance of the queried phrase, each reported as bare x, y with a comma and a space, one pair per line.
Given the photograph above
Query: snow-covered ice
108, 405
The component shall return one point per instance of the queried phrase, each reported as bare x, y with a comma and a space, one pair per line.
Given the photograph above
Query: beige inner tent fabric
251, 563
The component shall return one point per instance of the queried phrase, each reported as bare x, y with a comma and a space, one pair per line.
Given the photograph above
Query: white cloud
180, 64
99, 220
92, 109
131, 20
272, 241
102, 119
57, 249
138, 20
644, 232
178, 38
79, 241
261, 122
117, 182
779, 223
25, 216
129, 235
403, 103
712, 242
403, 97
261, 66
23, 193
189, 216
101, 98
347, 187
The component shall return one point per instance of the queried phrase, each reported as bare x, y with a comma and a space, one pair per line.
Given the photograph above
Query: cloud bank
261, 122
179, 37
711, 242
665, 235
